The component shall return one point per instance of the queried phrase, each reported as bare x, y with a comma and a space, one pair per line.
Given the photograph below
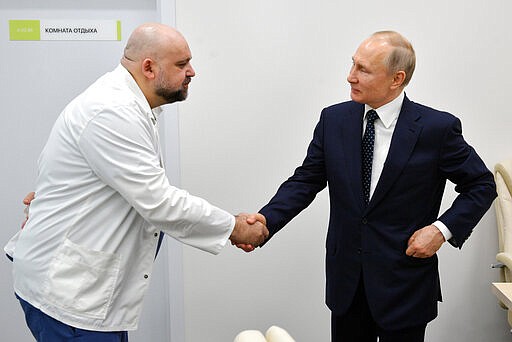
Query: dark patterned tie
367, 148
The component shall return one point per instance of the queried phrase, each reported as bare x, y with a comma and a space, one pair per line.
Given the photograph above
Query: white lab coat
102, 197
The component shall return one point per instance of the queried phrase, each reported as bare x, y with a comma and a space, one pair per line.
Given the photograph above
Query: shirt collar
388, 112
134, 87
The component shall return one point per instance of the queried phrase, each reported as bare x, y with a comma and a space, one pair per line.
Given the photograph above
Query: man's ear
398, 79
148, 68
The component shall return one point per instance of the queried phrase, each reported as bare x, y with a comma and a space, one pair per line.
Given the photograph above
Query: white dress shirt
384, 128
102, 197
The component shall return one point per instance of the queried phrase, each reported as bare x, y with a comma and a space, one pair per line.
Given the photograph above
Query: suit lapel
404, 139
351, 144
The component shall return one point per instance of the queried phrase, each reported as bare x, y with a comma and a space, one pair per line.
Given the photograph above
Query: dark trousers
47, 329
358, 325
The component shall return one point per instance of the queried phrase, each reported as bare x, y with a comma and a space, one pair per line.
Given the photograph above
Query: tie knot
371, 116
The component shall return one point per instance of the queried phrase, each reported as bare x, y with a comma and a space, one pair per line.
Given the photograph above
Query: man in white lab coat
83, 261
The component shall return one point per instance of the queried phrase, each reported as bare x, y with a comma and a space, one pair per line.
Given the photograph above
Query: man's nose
351, 77
191, 72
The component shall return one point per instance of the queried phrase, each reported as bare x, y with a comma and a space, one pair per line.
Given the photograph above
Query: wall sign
64, 29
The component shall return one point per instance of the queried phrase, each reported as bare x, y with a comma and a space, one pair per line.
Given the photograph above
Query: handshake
250, 231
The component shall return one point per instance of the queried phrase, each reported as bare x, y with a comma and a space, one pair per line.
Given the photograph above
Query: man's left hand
425, 242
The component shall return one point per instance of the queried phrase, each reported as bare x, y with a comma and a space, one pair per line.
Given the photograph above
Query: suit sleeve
460, 163
298, 191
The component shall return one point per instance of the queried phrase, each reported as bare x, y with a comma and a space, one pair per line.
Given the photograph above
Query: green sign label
62, 29
118, 28
24, 30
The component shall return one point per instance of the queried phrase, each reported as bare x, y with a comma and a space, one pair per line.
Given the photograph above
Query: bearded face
168, 92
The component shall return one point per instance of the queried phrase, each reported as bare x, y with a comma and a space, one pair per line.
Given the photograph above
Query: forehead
175, 49
371, 52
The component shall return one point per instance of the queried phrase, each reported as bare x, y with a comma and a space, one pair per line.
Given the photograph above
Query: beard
171, 96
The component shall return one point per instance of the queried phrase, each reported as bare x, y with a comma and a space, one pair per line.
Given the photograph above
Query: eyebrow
186, 60
359, 63
356, 63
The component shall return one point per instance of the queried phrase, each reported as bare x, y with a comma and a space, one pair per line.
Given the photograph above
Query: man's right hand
30, 196
246, 234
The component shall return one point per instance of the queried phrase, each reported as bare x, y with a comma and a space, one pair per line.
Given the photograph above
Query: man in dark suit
384, 227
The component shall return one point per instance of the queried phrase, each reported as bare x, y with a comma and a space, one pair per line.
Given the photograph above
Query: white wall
265, 69
38, 80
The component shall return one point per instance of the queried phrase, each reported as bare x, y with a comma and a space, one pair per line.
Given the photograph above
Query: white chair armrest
250, 336
505, 259
276, 334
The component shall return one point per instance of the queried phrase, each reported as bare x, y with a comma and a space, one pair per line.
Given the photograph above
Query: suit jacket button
365, 221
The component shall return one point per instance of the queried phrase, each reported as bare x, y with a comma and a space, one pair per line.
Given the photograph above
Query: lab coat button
146, 276
155, 235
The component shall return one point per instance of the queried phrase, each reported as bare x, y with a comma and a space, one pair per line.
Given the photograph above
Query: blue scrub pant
47, 329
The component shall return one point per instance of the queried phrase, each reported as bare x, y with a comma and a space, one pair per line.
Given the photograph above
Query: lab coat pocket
82, 281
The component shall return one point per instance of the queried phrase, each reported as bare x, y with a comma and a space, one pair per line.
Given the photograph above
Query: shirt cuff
443, 229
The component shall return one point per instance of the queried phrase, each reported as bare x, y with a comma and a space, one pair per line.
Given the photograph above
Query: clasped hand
425, 242
250, 231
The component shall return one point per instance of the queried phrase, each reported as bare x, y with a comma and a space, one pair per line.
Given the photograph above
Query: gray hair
402, 57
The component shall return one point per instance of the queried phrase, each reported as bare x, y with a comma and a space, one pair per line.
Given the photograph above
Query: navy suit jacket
427, 148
